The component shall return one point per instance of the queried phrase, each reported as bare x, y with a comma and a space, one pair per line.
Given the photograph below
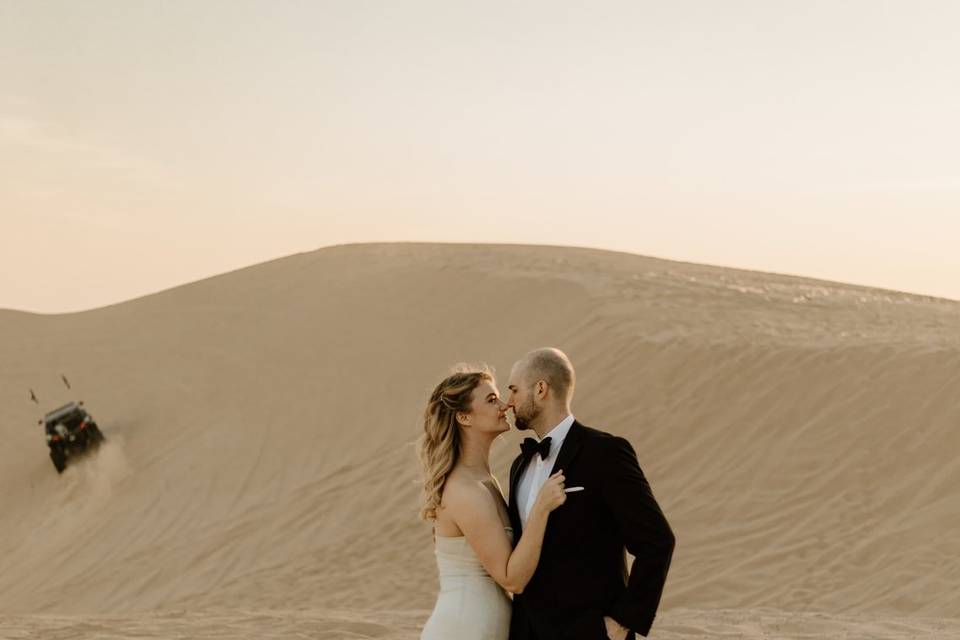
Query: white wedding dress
471, 605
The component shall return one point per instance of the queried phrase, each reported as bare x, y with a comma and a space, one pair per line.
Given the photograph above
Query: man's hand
615, 630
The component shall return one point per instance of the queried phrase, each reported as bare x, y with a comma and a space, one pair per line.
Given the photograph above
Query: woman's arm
476, 514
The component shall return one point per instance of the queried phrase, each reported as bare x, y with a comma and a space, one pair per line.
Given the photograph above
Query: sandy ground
260, 478
677, 624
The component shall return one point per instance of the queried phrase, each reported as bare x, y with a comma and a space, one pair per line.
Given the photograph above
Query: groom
580, 590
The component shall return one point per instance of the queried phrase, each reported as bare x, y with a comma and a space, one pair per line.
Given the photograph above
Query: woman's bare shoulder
463, 490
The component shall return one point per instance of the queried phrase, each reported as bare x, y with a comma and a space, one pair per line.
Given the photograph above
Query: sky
144, 145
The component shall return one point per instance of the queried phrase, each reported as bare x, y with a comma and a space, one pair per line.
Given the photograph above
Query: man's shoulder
594, 434
599, 440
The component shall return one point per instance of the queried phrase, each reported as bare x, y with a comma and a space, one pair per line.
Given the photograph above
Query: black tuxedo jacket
582, 574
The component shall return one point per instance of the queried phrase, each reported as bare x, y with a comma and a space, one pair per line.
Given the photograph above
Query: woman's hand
551, 494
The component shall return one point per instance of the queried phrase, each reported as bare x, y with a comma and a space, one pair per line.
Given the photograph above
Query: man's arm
646, 535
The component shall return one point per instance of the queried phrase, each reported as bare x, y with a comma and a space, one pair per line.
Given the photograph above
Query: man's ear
542, 387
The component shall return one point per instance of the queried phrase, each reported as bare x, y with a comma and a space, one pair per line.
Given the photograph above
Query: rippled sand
800, 436
678, 624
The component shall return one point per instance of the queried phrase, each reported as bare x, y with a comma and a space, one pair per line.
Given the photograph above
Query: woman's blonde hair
439, 444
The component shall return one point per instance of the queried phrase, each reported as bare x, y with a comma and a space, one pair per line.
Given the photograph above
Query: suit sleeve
646, 535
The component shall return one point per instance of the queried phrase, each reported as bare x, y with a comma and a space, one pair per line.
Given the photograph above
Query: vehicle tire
95, 436
59, 459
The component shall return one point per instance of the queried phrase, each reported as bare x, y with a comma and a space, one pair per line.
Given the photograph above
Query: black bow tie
531, 447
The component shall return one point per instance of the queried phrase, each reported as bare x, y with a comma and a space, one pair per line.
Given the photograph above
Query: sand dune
800, 435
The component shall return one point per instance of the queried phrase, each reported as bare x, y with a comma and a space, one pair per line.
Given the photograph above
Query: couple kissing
548, 564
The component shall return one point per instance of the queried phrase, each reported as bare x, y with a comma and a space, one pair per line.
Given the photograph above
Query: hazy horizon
218, 273
149, 145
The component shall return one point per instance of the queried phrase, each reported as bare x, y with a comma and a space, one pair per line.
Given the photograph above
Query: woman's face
488, 413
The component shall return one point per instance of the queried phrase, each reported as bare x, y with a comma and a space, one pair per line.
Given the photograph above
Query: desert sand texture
259, 479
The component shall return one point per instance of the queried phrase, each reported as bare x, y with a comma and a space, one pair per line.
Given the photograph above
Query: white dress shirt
536, 471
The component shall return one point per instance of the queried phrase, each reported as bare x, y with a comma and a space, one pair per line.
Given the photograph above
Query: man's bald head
553, 367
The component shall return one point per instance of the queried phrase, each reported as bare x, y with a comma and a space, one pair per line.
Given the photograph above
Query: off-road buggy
71, 432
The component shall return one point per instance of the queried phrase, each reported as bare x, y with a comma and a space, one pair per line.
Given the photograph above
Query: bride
476, 558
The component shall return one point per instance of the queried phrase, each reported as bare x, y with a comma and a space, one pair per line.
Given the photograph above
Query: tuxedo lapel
514, 510
569, 448
568, 451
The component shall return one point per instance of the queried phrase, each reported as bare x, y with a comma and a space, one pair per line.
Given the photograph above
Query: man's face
521, 398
